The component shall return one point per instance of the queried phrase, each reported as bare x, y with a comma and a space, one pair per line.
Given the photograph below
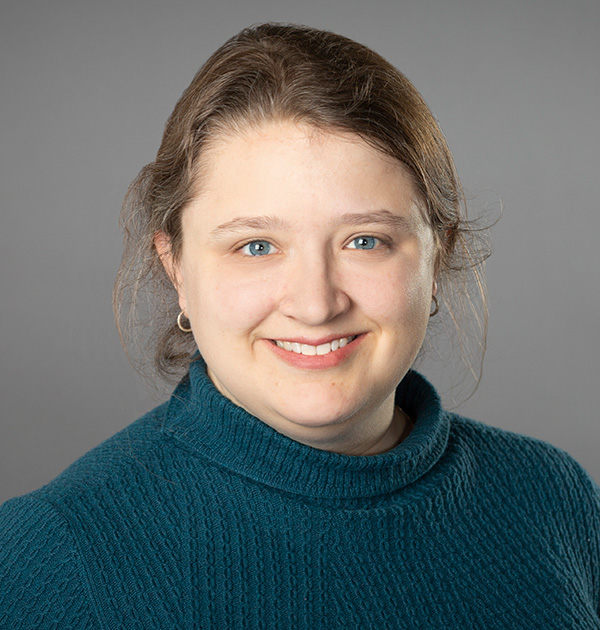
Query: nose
313, 293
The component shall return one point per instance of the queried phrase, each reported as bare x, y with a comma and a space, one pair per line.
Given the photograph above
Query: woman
298, 231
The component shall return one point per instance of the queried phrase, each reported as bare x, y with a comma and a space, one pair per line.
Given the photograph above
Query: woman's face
306, 271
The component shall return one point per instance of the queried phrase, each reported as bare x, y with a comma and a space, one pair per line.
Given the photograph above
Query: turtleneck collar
219, 430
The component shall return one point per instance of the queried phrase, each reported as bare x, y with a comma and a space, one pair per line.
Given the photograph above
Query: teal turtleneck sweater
200, 516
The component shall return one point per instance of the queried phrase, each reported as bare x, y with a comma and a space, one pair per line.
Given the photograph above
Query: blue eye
363, 242
257, 248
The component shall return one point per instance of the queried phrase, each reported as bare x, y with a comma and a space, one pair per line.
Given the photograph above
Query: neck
396, 431
364, 437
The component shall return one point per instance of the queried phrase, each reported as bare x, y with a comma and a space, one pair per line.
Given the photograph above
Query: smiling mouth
308, 350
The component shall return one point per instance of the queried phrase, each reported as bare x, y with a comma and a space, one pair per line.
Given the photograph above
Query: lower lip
317, 361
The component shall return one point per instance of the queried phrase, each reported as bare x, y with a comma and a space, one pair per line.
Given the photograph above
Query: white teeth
308, 350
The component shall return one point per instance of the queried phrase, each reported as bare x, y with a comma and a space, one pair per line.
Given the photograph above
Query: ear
163, 247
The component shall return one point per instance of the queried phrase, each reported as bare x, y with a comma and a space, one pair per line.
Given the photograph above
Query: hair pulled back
271, 72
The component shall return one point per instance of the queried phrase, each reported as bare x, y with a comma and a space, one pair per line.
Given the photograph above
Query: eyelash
378, 244
245, 245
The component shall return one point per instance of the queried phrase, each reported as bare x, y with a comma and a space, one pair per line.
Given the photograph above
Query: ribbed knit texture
201, 516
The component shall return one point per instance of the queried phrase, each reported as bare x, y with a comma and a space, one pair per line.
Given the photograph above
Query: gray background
85, 89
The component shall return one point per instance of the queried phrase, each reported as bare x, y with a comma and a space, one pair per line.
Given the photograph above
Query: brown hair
276, 71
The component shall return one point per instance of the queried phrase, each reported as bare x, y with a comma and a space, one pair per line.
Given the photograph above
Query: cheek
231, 303
395, 295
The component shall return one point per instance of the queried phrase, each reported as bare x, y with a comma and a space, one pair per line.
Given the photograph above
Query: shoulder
119, 470
541, 477
506, 449
131, 453
46, 536
136, 444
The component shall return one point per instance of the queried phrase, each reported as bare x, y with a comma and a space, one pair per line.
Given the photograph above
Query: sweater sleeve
590, 511
42, 576
596, 531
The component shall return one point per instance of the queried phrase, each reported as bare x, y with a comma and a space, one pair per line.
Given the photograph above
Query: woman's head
306, 271
306, 77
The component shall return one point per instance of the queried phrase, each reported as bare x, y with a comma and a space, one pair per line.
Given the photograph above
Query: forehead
300, 171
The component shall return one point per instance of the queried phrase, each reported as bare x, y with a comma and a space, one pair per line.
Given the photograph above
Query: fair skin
306, 272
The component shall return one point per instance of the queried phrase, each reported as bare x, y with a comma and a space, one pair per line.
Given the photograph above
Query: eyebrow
241, 224
384, 217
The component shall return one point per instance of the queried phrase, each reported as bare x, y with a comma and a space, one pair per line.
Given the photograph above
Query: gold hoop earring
181, 326
437, 306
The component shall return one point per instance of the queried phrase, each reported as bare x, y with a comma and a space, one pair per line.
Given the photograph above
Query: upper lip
316, 342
